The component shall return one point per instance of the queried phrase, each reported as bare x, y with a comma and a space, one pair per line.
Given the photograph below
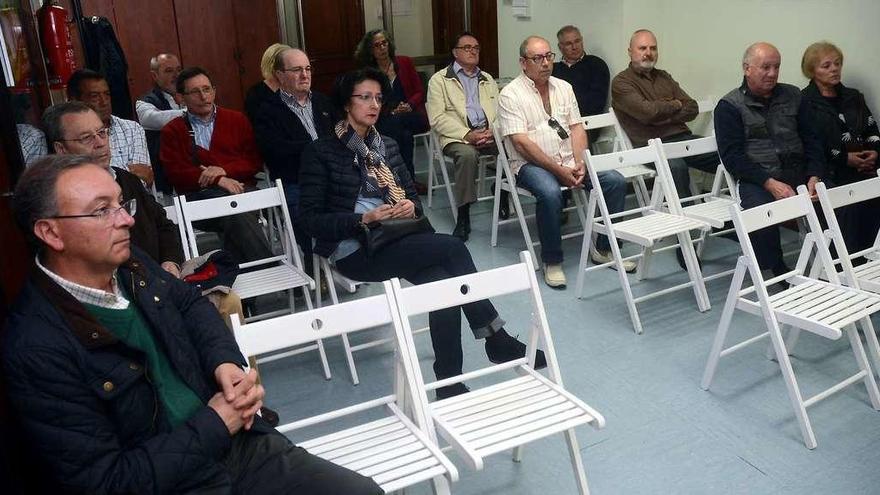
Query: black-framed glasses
556, 126
297, 70
469, 48
89, 140
107, 213
537, 59
367, 97
204, 91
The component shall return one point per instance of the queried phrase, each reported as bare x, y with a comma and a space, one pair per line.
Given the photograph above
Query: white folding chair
445, 163
648, 225
705, 116
399, 449
827, 309
712, 207
866, 276
172, 212
510, 413
506, 181
635, 174
282, 272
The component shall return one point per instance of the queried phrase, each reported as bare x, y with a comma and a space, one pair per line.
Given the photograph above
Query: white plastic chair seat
715, 212
270, 280
499, 417
868, 275
823, 308
634, 171
390, 450
647, 229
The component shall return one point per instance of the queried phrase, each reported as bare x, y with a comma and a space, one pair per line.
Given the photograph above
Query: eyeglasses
469, 48
367, 97
204, 91
107, 213
537, 59
90, 139
297, 70
556, 126
380, 44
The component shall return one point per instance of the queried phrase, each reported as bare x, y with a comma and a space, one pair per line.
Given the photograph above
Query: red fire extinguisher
57, 45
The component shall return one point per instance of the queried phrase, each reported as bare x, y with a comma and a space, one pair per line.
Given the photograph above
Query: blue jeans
544, 186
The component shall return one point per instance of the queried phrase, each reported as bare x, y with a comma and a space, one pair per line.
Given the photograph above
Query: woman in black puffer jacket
358, 177
850, 137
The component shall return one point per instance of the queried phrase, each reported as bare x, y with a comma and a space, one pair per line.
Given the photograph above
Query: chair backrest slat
775, 213
204, 209
302, 328
692, 147
620, 159
856, 192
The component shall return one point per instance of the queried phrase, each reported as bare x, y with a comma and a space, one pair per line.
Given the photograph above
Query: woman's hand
403, 209
378, 214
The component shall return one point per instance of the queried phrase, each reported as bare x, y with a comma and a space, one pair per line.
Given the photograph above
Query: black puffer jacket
89, 411
853, 120
329, 181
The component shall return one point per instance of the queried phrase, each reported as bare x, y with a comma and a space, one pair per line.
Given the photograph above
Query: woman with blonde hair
265, 89
849, 136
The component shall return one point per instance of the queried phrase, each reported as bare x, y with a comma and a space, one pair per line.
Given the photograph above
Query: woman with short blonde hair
265, 89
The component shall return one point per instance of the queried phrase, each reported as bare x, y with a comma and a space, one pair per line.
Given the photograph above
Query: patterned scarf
378, 180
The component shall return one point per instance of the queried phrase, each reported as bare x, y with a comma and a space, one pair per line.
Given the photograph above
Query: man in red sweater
211, 152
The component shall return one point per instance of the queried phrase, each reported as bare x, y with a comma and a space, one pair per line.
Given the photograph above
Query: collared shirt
128, 143
583, 54
521, 111
33, 143
153, 119
88, 295
471, 84
203, 129
304, 112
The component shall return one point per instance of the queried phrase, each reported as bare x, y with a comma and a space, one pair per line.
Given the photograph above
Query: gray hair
752, 50
524, 45
567, 29
35, 196
154, 61
638, 32
51, 120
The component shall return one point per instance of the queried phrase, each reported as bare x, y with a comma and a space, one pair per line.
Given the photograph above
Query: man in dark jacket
125, 378
158, 107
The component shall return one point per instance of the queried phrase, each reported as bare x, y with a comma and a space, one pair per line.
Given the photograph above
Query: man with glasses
124, 378
285, 123
128, 143
540, 120
210, 152
158, 107
461, 109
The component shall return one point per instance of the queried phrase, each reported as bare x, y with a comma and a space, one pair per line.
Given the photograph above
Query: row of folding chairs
402, 448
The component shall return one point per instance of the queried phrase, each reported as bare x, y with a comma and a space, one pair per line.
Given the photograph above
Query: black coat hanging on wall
104, 55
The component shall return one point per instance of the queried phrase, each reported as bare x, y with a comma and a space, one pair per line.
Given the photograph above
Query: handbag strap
194, 150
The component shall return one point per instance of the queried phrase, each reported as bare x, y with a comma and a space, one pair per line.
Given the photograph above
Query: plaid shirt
304, 112
128, 143
33, 143
88, 295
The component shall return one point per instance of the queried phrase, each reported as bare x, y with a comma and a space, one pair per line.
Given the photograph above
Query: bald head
642, 49
761, 63
164, 68
294, 72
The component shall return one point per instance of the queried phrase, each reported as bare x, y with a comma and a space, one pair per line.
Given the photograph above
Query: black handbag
377, 235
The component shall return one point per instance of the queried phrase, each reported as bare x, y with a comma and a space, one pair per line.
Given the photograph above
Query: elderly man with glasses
545, 142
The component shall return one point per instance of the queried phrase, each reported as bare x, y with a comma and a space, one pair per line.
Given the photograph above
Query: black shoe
461, 231
501, 348
269, 416
451, 391
680, 257
463, 225
504, 209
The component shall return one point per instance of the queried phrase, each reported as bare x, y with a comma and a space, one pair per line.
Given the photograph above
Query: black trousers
268, 463
422, 258
401, 127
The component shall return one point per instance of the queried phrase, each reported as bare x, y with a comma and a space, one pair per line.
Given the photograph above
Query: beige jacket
446, 104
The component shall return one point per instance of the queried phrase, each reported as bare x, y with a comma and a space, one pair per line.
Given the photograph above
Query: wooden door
449, 22
332, 30
256, 27
206, 30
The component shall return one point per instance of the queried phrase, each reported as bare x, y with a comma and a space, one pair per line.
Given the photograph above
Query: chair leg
624, 284
871, 339
448, 184
577, 464
862, 360
496, 206
334, 298
585, 246
520, 216
791, 385
644, 265
723, 325
694, 272
518, 453
439, 486
431, 175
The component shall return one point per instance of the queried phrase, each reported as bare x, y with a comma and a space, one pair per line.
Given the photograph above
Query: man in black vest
767, 142
158, 107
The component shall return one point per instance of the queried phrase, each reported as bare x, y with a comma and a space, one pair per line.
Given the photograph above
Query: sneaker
501, 348
451, 391
554, 276
600, 257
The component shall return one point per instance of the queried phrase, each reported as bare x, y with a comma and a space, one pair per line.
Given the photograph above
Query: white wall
414, 34
701, 41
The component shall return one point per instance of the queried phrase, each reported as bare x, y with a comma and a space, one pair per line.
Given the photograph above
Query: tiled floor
664, 434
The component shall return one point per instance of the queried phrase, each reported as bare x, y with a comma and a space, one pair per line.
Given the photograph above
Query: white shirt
521, 111
153, 119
